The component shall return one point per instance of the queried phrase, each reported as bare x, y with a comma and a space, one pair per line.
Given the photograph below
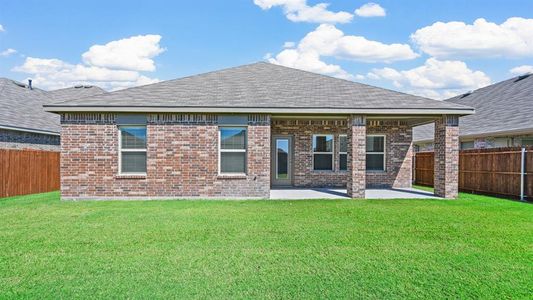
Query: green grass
474, 247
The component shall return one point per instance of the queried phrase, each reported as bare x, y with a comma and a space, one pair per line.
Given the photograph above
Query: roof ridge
514, 78
169, 80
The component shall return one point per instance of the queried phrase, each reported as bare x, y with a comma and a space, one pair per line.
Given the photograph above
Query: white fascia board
28, 130
368, 111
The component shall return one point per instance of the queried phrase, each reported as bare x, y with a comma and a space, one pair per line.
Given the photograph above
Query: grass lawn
474, 247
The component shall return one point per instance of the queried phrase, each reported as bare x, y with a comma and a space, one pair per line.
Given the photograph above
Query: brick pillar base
356, 182
447, 157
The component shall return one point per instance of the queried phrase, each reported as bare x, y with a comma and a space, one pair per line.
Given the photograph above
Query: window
375, 152
132, 147
467, 145
527, 142
323, 152
232, 157
343, 152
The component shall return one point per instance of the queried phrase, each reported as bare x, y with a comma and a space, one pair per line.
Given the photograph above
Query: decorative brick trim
451, 120
307, 122
259, 119
88, 118
387, 123
170, 118
358, 120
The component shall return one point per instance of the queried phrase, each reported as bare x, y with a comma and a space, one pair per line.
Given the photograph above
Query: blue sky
393, 44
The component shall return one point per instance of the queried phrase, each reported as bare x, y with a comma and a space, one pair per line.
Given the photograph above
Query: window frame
134, 150
378, 153
220, 150
343, 153
332, 152
526, 139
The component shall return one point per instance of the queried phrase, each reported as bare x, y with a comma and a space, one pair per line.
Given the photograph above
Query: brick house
23, 122
502, 119
238, 132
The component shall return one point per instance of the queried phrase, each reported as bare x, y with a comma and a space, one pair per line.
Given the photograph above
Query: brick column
356, 182
447, 156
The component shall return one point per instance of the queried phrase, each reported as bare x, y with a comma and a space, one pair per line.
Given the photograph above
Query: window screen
375, 153
132, 149
232, 150
343, 153
323, 152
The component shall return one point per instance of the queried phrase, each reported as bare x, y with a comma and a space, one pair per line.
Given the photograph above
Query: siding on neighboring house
484, 142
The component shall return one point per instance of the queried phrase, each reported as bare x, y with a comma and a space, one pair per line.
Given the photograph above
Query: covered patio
358, 156
340, 193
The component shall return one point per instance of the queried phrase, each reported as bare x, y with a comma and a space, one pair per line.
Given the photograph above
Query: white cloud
289, 44
8, 52
299, 11
521, 70
435, 79
370, 10
52, 73
134, 53
2, 28
309, 61
328, 41
512, 38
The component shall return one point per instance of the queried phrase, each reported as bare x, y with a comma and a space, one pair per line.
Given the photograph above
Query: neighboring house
504, 117
23, 121
238, 132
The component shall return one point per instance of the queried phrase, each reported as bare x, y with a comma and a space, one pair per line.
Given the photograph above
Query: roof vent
19, 84
29, 84
78, 86
522, 77
466, 94
87, 86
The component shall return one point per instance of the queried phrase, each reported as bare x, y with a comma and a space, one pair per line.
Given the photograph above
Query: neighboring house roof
21, 108
502, 108
260, 87
78, 91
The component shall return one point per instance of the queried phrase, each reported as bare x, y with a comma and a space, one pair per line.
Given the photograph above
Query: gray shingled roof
78, 91
259, 85
500, 108
21, 107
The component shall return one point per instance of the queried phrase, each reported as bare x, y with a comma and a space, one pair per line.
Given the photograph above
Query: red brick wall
356, 181
302, 132
398, 152
446, 172
182, 160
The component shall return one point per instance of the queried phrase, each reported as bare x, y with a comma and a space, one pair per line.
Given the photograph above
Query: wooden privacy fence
28, 172
495, 171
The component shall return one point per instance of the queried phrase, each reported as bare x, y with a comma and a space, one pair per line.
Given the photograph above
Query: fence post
522, 172
413, 173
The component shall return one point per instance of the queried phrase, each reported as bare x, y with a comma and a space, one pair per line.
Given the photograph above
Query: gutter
14, 128
272, 110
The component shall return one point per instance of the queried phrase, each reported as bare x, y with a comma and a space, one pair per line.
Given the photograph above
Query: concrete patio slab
338, 193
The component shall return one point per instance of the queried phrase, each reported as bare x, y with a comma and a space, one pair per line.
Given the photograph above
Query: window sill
376, 171
130, 176
232, 176
324, 171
